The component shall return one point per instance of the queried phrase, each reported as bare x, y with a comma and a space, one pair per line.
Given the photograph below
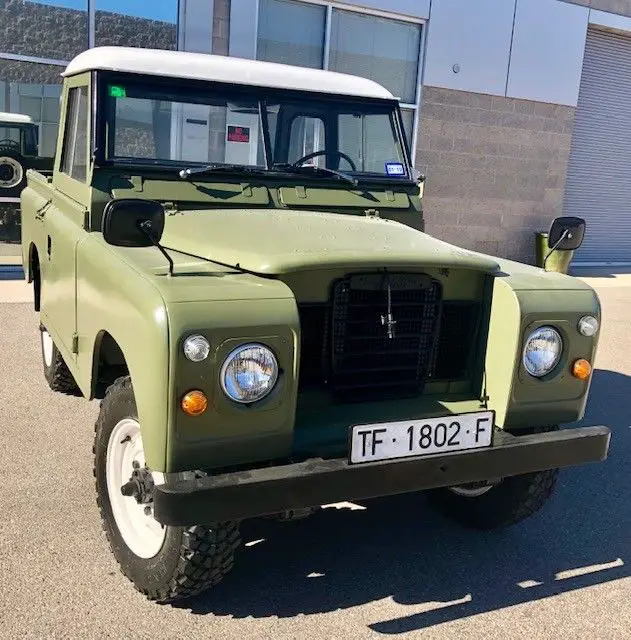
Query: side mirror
133, 223
566, 233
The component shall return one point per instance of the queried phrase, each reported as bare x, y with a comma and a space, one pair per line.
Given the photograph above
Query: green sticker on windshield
117, 92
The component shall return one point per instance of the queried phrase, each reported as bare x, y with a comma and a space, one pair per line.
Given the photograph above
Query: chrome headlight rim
584, 322
531, 336
196, 337
231, 357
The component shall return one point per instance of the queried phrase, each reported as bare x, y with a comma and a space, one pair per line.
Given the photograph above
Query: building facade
516, 110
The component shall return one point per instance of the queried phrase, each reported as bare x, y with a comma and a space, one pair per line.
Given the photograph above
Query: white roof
17, 118
214, 68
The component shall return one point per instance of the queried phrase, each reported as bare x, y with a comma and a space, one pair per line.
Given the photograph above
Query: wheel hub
140, 485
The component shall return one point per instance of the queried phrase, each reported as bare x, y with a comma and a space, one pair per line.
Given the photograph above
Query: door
64, 222
598, 185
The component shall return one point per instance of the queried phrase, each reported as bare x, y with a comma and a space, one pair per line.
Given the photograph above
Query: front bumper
259, 492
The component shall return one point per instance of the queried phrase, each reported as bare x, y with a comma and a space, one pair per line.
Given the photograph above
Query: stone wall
495, 169
34, 29
119, 30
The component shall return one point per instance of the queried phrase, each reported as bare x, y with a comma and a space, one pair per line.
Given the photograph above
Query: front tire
56, 371
164, 563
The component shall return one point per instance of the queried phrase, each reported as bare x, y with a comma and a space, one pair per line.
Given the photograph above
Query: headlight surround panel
559, 385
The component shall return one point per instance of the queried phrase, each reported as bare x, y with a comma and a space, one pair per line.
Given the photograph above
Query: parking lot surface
388, 567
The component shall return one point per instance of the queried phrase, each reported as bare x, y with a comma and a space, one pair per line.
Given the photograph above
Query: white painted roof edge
215, 68
18, 118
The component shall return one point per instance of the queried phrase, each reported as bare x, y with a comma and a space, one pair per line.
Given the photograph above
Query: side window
73, 154
305, 137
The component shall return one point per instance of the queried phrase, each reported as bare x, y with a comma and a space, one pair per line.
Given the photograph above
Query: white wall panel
475, 36
244, 21
610, 20
547, 52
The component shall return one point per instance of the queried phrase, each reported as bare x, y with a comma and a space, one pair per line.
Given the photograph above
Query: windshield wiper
210, 168
311, 168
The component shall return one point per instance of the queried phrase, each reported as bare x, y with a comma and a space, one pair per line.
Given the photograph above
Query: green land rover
231, 255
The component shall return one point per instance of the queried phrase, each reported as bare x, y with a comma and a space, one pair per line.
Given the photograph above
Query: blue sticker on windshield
395, 169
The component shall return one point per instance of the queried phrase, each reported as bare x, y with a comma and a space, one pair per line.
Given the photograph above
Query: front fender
115, 298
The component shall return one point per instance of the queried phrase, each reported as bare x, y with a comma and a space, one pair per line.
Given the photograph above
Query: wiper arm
209, 168
310, 168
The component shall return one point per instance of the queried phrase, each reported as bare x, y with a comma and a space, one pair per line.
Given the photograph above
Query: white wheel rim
18, 173
47, 347
140, 531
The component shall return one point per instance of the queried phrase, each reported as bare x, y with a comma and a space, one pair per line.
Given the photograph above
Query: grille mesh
367, 362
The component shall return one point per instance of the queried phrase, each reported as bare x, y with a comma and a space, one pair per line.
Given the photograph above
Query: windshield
149, 123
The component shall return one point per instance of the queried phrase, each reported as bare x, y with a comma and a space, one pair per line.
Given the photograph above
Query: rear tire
496, 506
167, 565
512, 500
56, 371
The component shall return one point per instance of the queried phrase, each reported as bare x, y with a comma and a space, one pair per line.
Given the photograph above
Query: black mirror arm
564, 235
146, 228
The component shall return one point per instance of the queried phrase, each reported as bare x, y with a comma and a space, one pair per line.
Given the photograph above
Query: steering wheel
324, 152
7, 142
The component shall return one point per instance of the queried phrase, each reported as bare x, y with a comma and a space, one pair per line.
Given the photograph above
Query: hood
275, 242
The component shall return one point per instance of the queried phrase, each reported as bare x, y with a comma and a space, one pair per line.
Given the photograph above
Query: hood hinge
371, 213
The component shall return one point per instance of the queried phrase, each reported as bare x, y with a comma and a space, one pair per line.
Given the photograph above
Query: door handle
41, 212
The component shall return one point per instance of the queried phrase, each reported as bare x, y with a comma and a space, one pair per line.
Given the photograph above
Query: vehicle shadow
398, 548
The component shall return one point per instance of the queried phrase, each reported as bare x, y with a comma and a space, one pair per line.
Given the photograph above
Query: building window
53, 29
136, 23
322, 36
383, 50
303, 44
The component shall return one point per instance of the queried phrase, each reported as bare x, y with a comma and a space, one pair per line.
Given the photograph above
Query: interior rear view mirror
566, 233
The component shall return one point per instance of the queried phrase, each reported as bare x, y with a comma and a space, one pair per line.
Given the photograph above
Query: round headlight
588, 326
196, 348
542, 351
249, 373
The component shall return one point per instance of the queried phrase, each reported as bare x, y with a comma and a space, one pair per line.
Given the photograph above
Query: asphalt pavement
387, 567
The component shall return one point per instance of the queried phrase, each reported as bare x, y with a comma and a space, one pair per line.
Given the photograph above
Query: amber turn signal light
581, 369
194, 403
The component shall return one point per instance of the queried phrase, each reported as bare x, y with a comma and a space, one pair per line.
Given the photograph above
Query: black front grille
346, 349
383, 334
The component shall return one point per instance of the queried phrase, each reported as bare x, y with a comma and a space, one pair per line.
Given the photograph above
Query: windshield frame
103, 114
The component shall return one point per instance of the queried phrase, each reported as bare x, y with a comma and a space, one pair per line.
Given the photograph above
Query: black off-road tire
191, 559
56, 372
512, 500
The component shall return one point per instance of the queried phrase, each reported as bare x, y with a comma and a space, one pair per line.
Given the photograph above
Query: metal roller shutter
598, 185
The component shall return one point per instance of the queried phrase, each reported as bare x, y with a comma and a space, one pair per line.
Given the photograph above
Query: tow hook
140, 486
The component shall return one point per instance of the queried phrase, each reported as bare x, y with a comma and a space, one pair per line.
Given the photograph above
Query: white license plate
391, 440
